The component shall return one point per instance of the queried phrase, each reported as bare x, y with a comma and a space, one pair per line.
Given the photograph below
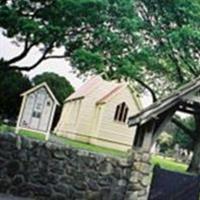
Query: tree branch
22, 55
28, 68
154, 98
55, 57
187, 130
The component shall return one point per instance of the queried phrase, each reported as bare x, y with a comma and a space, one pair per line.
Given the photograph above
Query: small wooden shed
37, 110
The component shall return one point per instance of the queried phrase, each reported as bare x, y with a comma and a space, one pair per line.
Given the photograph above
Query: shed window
36, 114
121, 112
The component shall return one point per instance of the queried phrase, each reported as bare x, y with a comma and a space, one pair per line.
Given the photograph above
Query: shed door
27, 112
46, 114
38, 108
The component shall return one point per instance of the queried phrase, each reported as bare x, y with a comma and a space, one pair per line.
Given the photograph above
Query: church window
121, 112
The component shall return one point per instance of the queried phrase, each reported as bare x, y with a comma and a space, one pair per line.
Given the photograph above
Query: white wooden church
98, 112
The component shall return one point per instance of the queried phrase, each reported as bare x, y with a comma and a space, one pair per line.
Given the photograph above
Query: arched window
121, 112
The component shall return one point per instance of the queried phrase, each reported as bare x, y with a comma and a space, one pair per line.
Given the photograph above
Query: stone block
146, 157
145, 181
18, 180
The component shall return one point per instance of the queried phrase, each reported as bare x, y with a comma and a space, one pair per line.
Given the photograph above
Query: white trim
20, 114
44, 84
50, 122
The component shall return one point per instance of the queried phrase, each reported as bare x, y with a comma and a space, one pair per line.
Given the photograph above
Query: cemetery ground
164, 162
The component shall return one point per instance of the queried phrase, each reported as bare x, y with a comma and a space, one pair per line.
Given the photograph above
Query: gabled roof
165, 104
110, 94
84, 89
108, 89
44, 84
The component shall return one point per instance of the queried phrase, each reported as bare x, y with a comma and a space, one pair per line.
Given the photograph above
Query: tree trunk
194, 166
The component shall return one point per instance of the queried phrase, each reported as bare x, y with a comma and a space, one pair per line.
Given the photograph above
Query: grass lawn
168, 163
30, 134
33, 135
69, 142
90, 147
6, 128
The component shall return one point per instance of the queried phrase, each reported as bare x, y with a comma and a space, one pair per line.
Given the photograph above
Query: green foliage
165, 141
182, 138
171, 29
99, 36
60, 87
119, 38
12, 84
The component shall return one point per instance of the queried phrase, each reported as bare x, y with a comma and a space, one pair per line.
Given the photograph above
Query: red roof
96, 82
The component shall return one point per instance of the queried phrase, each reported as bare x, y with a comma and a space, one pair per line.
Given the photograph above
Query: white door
38, 109
46, 114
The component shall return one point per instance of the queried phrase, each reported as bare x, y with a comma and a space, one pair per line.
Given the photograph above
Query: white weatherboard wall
111, 130
37, 110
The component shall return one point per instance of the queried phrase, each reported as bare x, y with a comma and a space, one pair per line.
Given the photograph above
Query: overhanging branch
22, 55
28, 68
179, 124
154, 98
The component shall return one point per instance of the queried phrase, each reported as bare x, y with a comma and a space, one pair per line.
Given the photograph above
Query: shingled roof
162, 105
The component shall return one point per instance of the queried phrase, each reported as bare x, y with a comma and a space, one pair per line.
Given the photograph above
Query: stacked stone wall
43, 170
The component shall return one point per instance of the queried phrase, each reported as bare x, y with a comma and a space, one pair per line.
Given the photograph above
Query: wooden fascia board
162, 105
74, 99
44, 84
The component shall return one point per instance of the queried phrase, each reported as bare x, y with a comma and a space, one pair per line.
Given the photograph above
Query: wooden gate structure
151, 121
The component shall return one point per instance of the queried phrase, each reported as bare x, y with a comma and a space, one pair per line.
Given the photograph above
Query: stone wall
140, 178
40, 170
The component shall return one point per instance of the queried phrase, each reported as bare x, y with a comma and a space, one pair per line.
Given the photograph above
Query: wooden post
50, 122
20, 115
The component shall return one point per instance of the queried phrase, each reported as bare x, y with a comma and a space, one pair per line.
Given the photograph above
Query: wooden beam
162, 122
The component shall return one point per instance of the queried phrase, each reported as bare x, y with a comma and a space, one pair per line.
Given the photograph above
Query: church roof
165, 104
85, 88
45, 85
108, 89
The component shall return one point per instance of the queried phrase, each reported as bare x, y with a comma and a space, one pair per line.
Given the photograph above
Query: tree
97, 35
60, 87
165, 142
11, 86
180, 136
172, 34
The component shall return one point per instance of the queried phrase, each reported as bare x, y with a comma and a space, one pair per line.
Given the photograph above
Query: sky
59, 66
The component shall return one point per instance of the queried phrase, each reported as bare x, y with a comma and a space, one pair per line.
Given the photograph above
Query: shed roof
44, 84
159, 107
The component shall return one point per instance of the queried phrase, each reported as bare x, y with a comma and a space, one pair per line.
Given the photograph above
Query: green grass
33, 135
90, 147
6, 128
69, 142
30, 134
168, 163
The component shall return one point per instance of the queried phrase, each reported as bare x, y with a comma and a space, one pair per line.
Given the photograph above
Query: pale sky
59, 66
